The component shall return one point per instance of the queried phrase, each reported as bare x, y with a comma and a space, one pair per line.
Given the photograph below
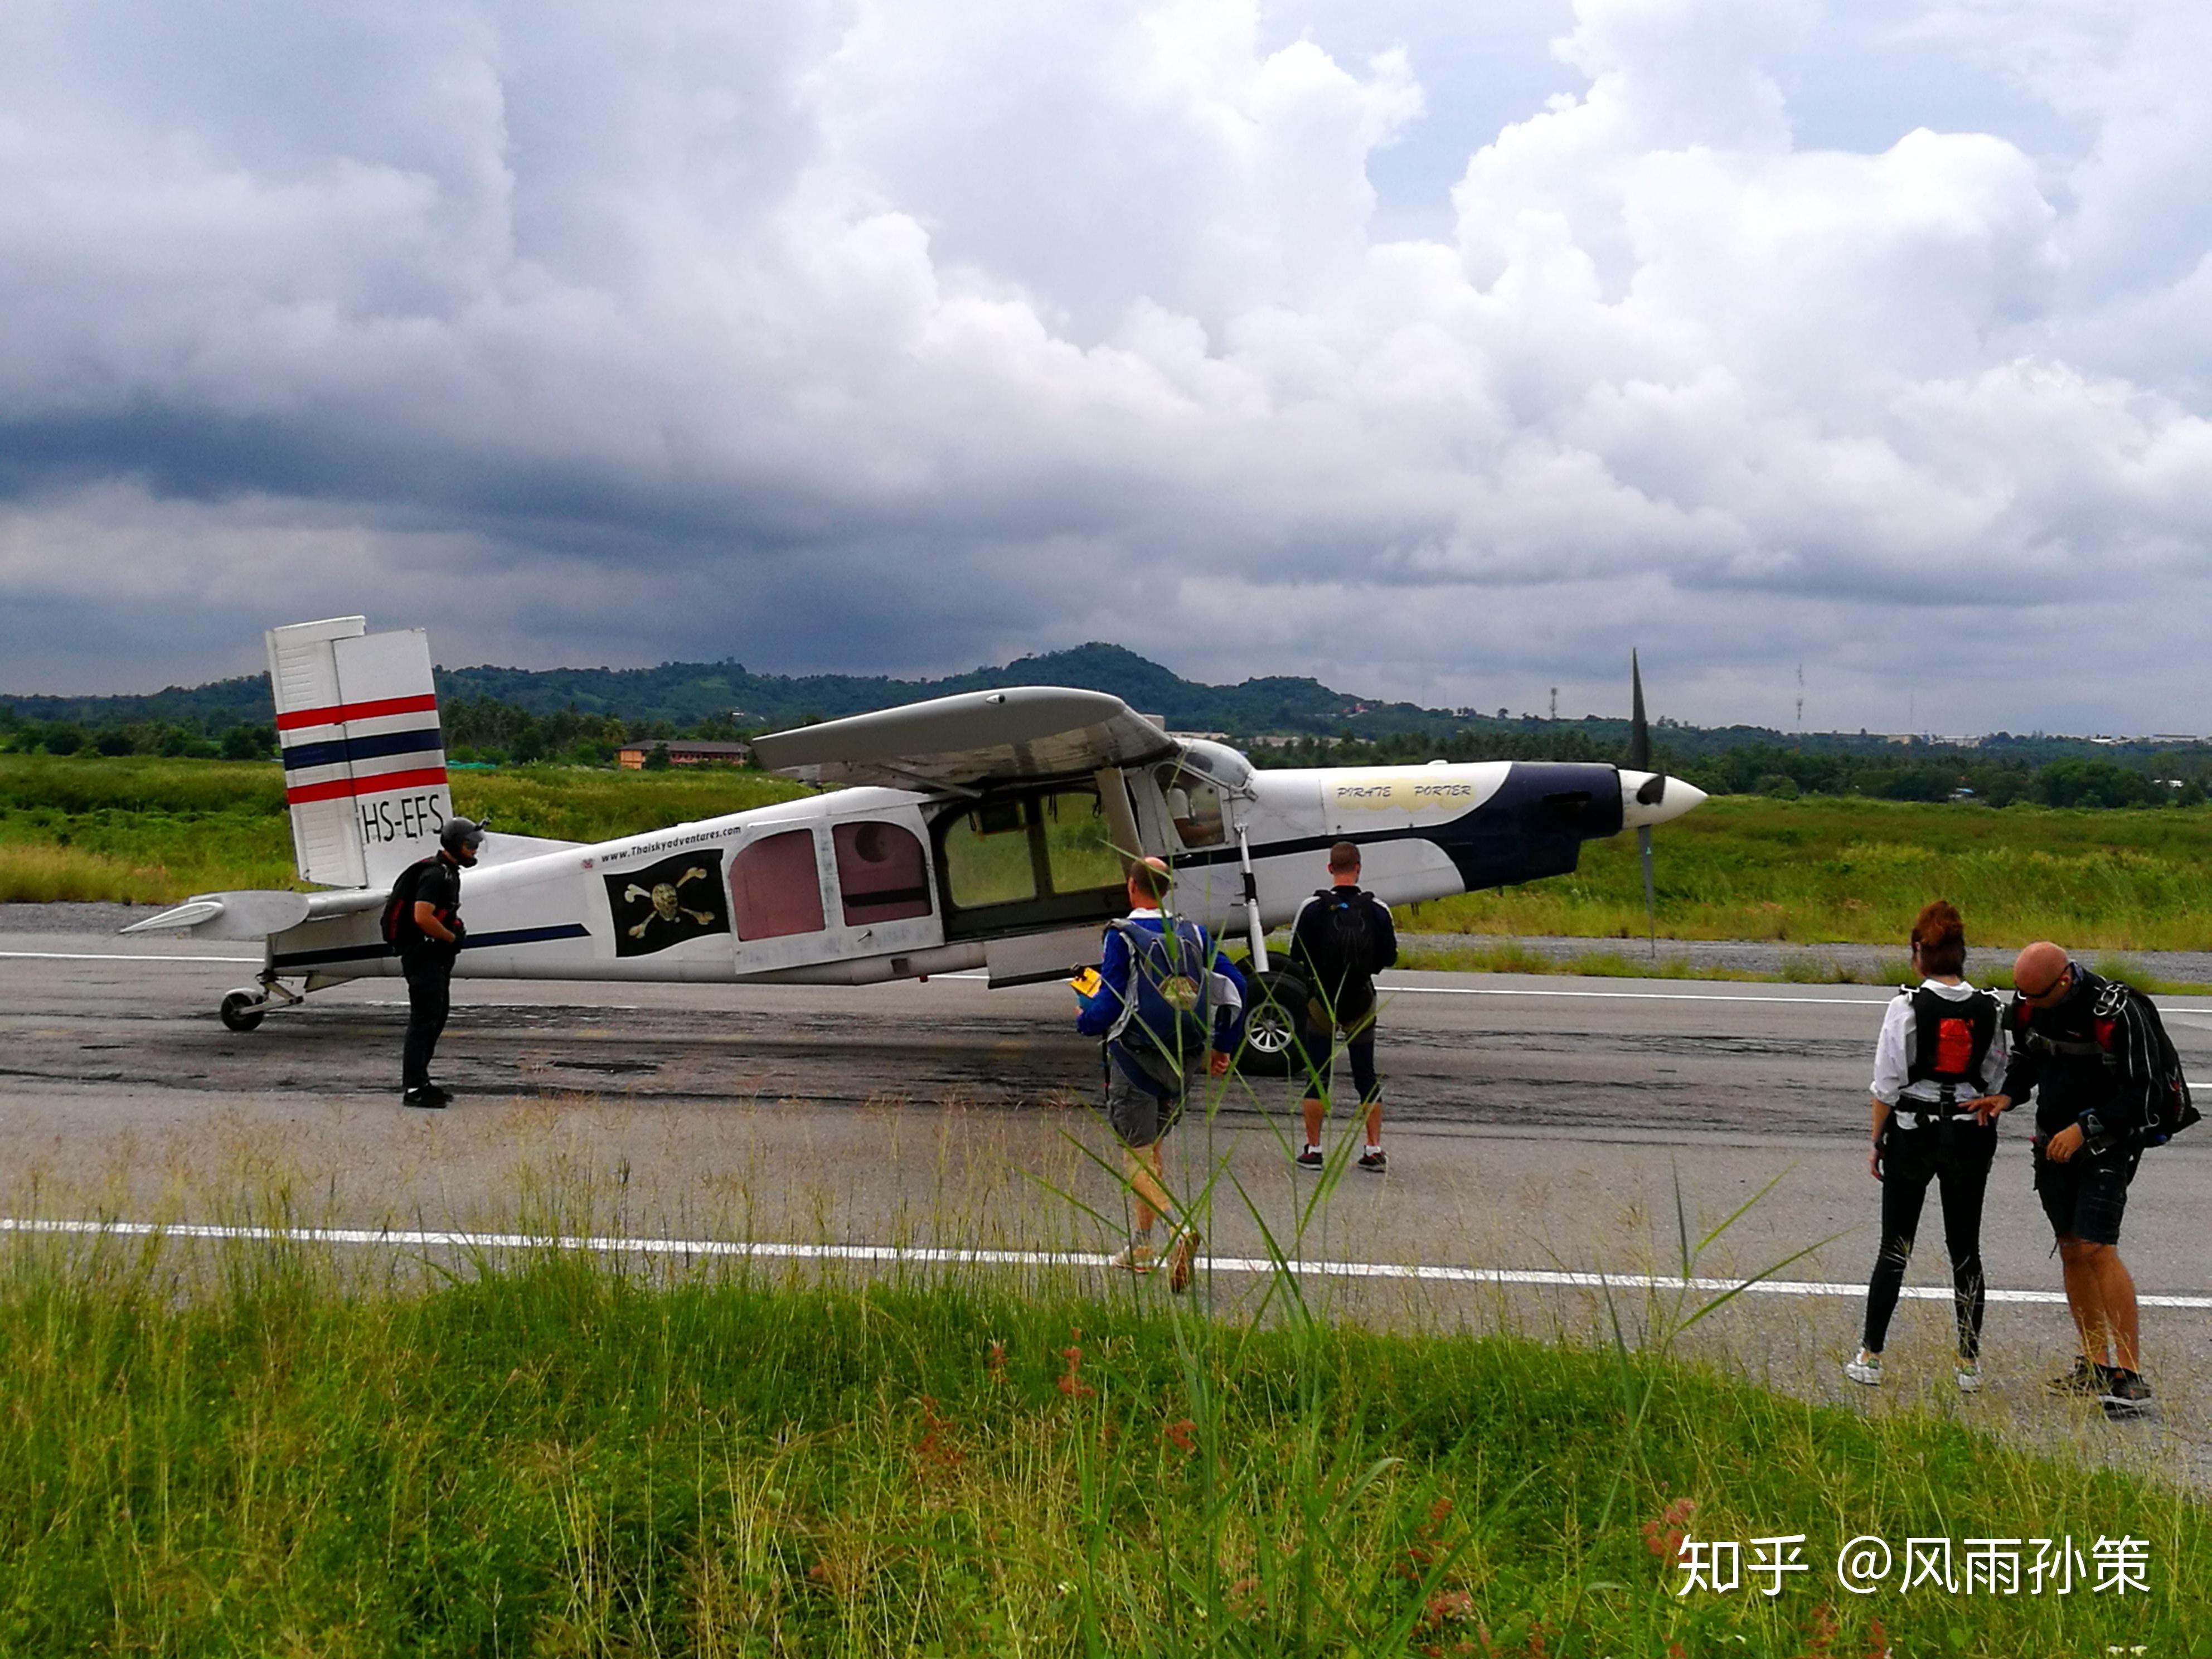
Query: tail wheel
1272, 1020
242, 1011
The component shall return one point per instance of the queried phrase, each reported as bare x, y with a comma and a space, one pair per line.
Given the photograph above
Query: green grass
152, 831
1856, 871
1826, 870
250, 1456
1509, 957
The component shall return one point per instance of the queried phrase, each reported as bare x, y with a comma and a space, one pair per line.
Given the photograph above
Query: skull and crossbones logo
666, 905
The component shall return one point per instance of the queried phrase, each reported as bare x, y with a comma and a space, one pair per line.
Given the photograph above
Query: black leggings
429, 999
1911, 1159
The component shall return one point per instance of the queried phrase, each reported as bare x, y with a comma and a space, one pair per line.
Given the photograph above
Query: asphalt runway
1537, 1123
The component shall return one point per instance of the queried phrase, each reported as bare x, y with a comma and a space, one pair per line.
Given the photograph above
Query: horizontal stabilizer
180, 918
974, 738
255, 915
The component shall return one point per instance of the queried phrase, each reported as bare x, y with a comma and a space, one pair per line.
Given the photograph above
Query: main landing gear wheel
1272, 1024
242, 1011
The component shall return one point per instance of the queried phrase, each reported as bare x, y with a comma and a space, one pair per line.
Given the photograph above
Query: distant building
685, 751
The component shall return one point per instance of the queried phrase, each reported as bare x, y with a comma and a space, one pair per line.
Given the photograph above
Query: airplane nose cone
1674, 797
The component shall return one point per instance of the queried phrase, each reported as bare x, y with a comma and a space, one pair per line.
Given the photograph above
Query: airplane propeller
1651, 793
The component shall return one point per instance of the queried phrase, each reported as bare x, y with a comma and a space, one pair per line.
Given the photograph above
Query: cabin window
1079, 844
880, 872
1193, 803
775, 890
987, 856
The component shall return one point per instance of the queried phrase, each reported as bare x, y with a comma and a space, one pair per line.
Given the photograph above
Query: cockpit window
1194, 806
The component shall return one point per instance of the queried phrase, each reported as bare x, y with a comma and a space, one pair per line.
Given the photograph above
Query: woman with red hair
1941, 1050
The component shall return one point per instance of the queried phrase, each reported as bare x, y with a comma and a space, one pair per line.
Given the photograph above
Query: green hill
683, 693
678, 695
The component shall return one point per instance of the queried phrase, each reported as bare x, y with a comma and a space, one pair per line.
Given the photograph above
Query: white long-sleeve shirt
1892, 1052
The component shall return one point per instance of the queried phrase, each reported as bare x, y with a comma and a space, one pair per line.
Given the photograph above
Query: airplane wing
974, 738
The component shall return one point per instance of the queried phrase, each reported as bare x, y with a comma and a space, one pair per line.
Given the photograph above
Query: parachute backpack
1951, 1040
2169, 1109
1167, 1011
1350, 939
399, 908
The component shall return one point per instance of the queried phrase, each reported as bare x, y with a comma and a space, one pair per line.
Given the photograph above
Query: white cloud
905, 336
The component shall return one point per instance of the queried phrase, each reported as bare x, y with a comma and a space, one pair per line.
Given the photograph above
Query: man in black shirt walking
2079, 1043
1343, 937
428, 929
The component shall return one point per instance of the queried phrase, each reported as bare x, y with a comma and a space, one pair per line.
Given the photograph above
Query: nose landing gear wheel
242, 1011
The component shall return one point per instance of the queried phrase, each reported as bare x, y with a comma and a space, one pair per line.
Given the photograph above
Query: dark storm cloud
856, 336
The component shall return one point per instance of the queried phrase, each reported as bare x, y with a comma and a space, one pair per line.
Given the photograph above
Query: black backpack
2170, 1110
1345, 938
398, 919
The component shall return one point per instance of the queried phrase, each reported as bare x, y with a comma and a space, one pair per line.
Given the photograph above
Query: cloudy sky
1438, 350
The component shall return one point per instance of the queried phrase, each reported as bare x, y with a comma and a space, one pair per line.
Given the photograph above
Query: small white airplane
990, 829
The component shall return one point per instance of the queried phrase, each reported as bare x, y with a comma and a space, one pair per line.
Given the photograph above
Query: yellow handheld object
1087, 982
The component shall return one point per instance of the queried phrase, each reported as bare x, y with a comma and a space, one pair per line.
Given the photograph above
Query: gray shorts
1137, 1115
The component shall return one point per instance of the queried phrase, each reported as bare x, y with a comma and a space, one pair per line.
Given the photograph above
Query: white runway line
1671, 996
1392, 987
922, 1255
114, 956
977, 976
1627, 996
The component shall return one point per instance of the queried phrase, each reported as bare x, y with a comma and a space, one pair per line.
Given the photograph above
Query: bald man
2079, 1045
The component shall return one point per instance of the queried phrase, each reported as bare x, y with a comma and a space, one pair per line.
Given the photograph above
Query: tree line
479, 730
186, 738
1916, 772
482, 730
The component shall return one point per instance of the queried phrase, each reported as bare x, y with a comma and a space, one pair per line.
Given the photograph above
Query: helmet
461, 837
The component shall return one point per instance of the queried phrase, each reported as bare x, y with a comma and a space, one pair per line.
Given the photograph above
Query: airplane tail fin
364, 757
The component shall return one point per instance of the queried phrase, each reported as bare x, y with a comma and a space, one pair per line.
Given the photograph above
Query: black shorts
2086, 1196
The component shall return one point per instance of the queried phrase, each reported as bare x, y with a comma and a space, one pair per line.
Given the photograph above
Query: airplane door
802, 894
776, 880
883, 900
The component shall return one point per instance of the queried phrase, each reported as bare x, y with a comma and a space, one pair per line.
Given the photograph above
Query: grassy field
154, 831
557, 1459
1856, 871
1823, 870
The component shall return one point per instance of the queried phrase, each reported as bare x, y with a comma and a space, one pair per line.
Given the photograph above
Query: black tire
1274, 1015
240, 1010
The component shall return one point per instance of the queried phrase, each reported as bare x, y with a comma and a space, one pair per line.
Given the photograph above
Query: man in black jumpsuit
430, 935
2079, 1044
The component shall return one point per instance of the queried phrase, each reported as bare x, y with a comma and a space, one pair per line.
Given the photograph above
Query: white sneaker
1132, 1258
1867, 1369
1970, 1379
